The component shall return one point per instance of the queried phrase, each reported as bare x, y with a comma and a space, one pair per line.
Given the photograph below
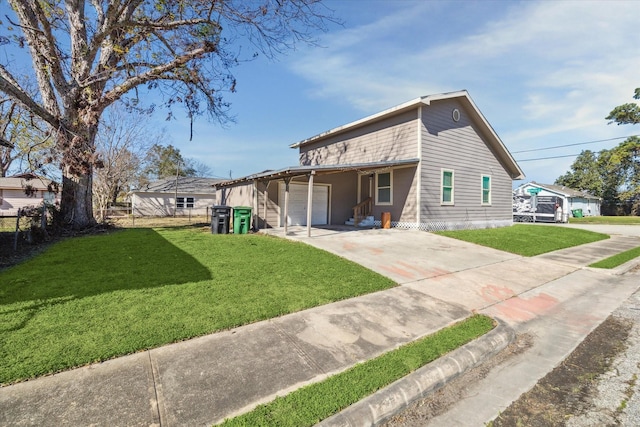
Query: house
546, 199
191, 196
25, 190
433, 163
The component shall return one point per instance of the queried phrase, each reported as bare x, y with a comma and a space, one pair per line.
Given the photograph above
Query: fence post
15, 240
43, 219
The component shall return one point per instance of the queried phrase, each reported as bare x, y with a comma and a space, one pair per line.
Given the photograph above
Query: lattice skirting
444, 225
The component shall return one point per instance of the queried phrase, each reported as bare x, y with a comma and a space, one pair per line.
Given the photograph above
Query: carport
286, 175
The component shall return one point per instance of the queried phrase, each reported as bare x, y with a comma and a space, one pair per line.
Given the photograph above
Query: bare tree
122, 141
88, 54
201, 170
24, 140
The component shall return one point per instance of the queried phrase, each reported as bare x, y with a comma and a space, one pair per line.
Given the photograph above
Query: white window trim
390, 202
482, 202
185, 201
453, 186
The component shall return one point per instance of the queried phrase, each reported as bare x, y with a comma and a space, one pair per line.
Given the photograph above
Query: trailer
535, 208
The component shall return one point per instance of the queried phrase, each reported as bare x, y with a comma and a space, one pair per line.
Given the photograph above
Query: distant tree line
614, 174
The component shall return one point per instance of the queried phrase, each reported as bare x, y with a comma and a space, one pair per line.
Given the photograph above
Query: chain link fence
30, 225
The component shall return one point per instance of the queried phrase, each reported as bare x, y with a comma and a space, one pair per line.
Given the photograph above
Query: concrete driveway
405, 256
554, 298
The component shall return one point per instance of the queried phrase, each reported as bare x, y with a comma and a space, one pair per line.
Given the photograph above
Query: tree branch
156, 73
11, 87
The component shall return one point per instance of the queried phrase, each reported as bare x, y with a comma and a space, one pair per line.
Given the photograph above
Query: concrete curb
626, 267
385, 403
617, 271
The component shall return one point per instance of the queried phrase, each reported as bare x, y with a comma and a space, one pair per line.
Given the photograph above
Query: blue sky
543, 74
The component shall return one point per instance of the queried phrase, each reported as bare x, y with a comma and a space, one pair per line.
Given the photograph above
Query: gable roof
185, 185
562, 190
19, 182
462, 96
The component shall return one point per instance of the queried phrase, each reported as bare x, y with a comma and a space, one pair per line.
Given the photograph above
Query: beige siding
273, 216
458, 146
239, 195
394, 138
404, 207
12, 200
163, 204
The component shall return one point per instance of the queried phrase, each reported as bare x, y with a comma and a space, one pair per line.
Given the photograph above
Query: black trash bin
220, 218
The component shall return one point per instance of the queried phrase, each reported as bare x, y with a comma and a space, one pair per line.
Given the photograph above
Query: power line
547, 158
572, 145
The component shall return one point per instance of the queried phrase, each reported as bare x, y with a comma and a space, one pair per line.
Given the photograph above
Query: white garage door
298, 204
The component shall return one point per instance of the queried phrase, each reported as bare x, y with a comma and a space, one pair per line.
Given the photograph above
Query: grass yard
618, 259
620, 220
93, 298
311, 404
527, 239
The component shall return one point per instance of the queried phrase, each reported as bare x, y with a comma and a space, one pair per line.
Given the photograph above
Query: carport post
286, 204
266, 198
310, 203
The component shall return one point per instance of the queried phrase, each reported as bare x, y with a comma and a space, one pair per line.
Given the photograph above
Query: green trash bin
577, 213
241, 219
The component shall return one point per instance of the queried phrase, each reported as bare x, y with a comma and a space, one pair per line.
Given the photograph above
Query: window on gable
486, 190
446, 197
384, 185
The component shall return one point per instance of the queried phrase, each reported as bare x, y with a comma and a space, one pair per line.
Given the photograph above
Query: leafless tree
122, 141
88, 54
23, 139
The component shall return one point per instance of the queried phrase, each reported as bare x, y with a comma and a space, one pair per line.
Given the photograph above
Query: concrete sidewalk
204, 380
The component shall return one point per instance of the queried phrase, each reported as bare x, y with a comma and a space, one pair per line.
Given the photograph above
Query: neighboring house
548, 198
25, 190
195, 196
433, 163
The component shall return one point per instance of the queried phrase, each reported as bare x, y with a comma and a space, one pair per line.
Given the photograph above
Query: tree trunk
77, 176
77, 201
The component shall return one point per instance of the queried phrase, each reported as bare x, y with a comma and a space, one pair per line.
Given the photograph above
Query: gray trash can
220, 218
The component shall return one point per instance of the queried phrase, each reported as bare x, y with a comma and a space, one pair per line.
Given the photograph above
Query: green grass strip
618, 259
616, 220
93, 298
526, 239
311, 404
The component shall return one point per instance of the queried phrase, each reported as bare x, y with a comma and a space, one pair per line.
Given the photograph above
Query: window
447, 187
384, 182
486, 190
49, 198
189, 201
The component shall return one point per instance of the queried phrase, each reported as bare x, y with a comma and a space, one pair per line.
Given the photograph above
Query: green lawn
93, 298
621, 220
527, 239
618, 259
311, 404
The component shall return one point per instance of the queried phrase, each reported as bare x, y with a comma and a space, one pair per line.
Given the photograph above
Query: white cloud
561, 65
